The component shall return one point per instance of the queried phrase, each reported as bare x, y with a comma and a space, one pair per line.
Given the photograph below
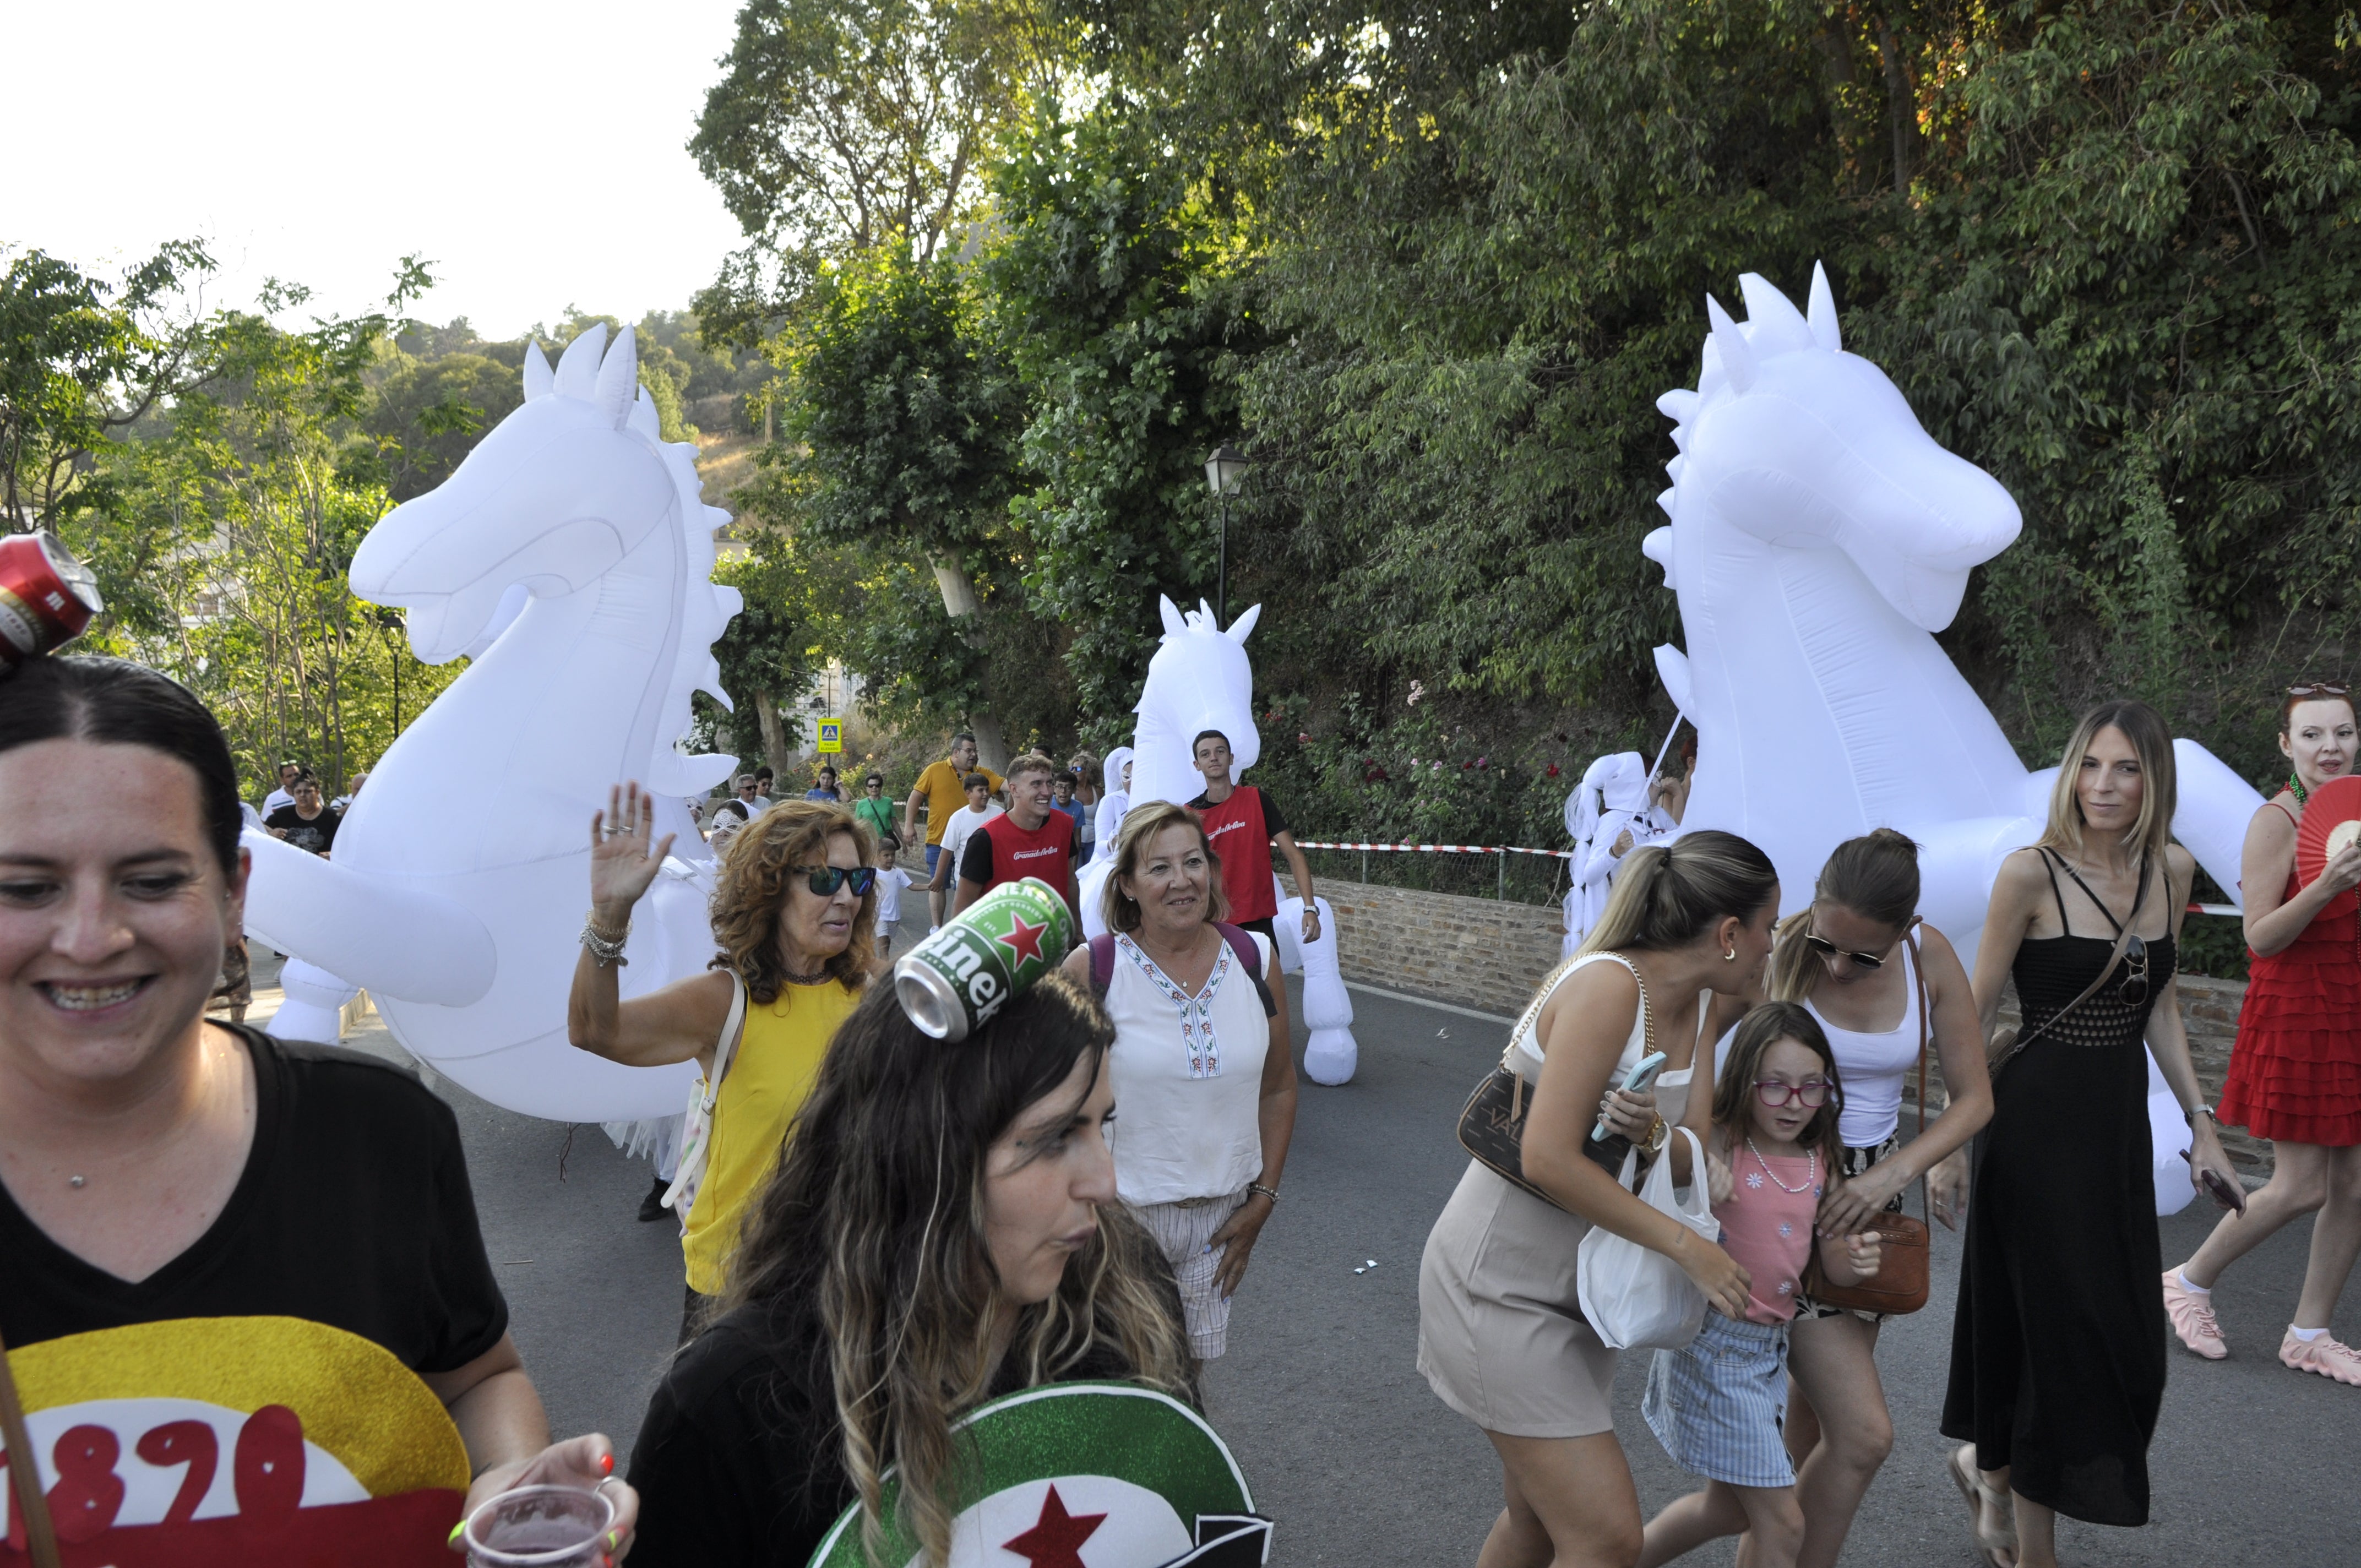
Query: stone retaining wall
1488, 955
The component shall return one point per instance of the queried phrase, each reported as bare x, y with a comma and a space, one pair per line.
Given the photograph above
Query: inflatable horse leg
394, 939
314, 1004
1331, 1054
2215, 808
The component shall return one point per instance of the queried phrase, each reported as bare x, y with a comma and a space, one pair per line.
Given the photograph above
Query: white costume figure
1114, 799
1331, 1054
1200, 679
1611, 800
463, 923
1819, 538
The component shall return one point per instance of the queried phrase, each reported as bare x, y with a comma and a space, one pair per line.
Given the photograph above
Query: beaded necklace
2295, 787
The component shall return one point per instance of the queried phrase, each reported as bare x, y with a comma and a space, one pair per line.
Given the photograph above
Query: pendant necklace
1811, 1176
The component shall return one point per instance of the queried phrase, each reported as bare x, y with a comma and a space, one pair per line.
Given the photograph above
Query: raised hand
2344, 870
622, 863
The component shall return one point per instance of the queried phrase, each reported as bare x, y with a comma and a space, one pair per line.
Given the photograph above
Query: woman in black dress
2057, 1350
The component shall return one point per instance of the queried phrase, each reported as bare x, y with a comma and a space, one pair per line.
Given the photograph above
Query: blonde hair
2151, 831
1667, 895
752, 892
1140, 826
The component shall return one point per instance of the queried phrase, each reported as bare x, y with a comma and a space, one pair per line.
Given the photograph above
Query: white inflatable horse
461, 872
1200, 679
1819, 538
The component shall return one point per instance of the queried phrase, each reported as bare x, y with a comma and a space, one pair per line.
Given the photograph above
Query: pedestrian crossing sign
831, 734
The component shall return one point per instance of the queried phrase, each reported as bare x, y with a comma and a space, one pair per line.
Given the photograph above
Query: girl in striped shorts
1717, 1404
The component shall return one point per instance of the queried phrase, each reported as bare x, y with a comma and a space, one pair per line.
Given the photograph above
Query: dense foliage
1440, 261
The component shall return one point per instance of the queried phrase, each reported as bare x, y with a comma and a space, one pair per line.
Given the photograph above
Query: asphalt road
1340, 1438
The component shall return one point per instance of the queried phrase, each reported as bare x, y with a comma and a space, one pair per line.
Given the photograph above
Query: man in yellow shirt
944, 789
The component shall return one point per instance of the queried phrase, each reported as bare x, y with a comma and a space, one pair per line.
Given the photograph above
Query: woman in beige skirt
1501, 1336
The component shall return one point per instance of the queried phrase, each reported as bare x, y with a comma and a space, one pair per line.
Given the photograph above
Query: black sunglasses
825, 880
2133, 990
1829, 949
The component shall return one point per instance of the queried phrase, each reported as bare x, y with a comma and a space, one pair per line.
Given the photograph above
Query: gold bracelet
1658, 1137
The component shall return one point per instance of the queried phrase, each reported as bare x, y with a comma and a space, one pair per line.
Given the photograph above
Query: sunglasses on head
825, 880
1829, 949
2318, 688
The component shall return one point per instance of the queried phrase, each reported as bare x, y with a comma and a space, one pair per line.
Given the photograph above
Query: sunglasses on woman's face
825, 880
1829, 949
1812, 1092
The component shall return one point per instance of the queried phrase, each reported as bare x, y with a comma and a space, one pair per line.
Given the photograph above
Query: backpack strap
1102, 962
1249, 956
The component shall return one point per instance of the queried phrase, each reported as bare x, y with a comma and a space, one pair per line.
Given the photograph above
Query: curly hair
865, 1263
752, 892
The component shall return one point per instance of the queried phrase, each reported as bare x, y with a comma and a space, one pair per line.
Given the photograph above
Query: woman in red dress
2295, 1074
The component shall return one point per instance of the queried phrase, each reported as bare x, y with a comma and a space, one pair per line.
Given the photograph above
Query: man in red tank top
1031, 838
1242, 822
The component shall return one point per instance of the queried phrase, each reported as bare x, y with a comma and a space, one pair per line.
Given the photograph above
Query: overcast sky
531, 150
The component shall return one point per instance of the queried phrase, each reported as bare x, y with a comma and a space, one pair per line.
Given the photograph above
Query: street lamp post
1224, 470
390, 619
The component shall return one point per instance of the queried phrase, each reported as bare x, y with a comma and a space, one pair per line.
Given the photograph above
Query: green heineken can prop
952, 982
1108, 1474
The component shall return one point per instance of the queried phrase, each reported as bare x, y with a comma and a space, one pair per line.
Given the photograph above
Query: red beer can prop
47, 597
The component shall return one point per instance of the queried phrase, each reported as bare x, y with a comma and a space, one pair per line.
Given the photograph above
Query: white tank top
1872, 1067
1672, 1087
1188, 1076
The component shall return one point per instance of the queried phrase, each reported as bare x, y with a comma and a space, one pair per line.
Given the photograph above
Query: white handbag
697, 1131
1634, 1297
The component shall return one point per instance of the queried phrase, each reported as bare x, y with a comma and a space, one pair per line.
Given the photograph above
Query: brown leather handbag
1899, 1286
1492, 1123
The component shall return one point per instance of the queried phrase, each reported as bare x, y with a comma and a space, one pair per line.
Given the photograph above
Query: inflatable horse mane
1819, 537
461, 871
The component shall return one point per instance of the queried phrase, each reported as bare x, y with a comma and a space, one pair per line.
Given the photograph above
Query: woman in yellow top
794, 916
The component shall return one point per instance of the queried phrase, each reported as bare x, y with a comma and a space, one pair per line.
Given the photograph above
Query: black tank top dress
2058, 1348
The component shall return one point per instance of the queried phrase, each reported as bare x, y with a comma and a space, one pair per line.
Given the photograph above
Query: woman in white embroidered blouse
1204, 1077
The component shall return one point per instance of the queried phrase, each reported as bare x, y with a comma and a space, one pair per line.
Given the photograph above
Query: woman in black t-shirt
254, 1265
941, 1229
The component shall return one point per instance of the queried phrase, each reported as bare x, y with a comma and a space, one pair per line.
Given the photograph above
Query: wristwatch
2190, 1116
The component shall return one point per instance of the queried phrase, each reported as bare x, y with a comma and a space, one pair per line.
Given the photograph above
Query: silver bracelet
605, 951
1269, 1193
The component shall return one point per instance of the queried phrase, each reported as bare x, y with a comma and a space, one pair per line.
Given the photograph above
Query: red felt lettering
191, 1444
268, 1468
89, 1494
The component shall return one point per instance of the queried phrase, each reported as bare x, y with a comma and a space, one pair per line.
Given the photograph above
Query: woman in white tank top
1855, 958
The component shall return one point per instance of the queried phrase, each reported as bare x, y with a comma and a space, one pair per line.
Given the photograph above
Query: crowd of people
880, 1232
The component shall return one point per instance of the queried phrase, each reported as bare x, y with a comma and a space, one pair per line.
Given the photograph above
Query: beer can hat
47, 598
951, 984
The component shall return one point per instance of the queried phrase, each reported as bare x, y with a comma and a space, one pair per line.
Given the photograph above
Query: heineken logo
1084, 1476
1023, 941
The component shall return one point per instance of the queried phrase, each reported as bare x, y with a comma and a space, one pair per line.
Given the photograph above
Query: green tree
1112, 288
81, 361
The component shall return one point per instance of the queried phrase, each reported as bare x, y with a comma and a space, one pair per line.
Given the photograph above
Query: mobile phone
1642, 1074
2222, 1192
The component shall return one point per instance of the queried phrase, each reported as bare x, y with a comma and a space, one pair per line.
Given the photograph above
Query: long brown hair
865, 1268
752, 892
1875, 876
2151, 832
1765, 1026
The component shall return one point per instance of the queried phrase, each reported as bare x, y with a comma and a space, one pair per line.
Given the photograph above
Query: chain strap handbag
1900, 1284
1492, 1123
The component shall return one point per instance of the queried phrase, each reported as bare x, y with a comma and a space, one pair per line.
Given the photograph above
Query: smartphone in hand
2228, 1194
1641, 1076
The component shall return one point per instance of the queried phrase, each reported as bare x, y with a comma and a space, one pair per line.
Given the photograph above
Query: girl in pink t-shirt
1717, 1404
